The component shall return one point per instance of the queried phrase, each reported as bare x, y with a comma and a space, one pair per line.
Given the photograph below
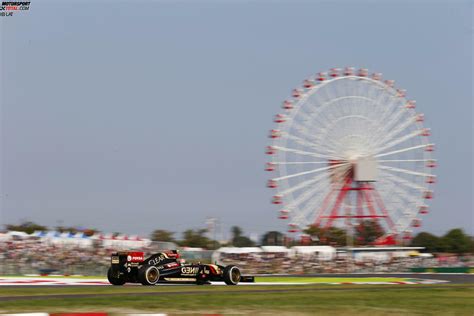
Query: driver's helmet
181, 261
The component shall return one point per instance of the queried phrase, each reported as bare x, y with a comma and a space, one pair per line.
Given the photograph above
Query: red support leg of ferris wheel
360, 208
370, 205
324, 206
340, 197
381, 205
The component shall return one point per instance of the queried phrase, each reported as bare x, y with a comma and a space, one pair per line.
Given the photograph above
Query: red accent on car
172, 254
135, 256
213, 270
171, 265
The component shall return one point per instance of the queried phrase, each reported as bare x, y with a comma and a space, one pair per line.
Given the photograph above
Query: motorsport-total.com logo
10, 7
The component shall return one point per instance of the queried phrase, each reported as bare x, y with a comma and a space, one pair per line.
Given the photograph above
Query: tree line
198, 238
364, 234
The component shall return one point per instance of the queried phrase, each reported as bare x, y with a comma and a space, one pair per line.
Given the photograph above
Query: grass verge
300, 299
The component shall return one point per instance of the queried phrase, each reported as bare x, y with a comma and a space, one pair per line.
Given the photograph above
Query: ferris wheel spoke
309, 138
411, 196
403, 191
299, 162
303, 153
408, 194
386, 126
303, 134
305, 130
402, 194
409, 208
399, 141
313, 210
405, 200
388, 100
304, 184
323, 106
306, 210
409, 122
388, 219
402, 150
310, 211
304, 197
403, 181
310, 171
302, 141
421, 174
391, 109
386, 190
334, 142
405, 160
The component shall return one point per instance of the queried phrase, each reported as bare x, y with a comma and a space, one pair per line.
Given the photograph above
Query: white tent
124, 242
15, 234
4, 237
234, 250
322, 252
275, 249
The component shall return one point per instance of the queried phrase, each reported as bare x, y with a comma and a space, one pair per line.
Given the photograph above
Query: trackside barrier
443, 270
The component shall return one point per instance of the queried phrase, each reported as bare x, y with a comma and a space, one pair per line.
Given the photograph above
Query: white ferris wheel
349, 147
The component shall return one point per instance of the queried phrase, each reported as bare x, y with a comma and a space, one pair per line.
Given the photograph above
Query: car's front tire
231, 275
148, 275
114, 280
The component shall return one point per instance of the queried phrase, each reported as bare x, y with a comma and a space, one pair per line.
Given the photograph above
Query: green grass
326, 280
298, 299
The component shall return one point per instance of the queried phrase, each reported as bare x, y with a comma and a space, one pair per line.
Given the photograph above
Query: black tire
148, 275
114, 280
231, 275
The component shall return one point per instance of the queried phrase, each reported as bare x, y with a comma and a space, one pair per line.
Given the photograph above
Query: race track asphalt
453, 278
467, 280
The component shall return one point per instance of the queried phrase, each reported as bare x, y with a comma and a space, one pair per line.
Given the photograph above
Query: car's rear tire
231, 275
148, 275
114, 280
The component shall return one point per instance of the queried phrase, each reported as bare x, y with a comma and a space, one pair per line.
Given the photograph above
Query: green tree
63, 229
456, 241
197, 238
273, 238
367, 232
162, 235
236, 232
238, 240
74, 230
471, 244
427, 240
27, 227
327, 236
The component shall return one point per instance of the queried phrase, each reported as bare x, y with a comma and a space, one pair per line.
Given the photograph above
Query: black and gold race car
167, 267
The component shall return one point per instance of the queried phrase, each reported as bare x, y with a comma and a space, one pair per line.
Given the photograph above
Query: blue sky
155, 115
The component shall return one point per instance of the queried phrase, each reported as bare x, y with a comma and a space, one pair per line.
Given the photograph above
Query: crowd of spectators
282, 263
34, 256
